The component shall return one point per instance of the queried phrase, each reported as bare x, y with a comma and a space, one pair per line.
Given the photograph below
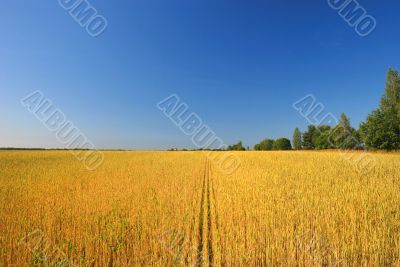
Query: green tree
380, 131
382, 127
282, 144
343, 136
308, 137
297, 139
238, 146
321, 137
390, 101
265, 144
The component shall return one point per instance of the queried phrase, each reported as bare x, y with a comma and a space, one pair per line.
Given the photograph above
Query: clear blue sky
238, 64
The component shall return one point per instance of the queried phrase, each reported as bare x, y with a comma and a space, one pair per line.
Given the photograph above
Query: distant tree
265, 144
309, 137
297, 139
321, 137
382, 127
380, 131
343, 136
282, 144
238, 146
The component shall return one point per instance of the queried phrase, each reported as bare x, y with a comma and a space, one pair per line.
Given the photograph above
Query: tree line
380, 131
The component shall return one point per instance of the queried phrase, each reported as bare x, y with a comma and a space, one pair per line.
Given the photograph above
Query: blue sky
238, 64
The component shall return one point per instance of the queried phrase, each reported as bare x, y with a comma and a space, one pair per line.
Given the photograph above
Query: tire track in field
210, 218
215, 228
200, 230
207, 221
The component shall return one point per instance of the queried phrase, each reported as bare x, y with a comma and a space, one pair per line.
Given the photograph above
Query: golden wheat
177, 208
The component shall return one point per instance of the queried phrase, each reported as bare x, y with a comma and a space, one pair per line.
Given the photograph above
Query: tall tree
308, 137
380, 131
390, 101
382, 127
297, 139
343, 135
321, 140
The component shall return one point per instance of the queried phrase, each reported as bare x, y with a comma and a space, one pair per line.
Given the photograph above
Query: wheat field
178, 209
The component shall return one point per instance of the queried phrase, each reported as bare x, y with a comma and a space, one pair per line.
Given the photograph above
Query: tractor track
207, 218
